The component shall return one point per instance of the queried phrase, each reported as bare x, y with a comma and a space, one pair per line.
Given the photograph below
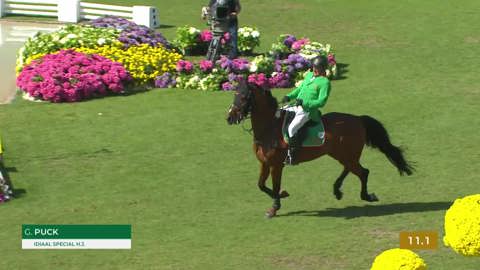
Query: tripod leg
214, 49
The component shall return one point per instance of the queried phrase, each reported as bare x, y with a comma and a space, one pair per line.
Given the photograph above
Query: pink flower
259, 80
72, 76
331, 60
206, 66
184, 66
297, 45
225, 39
206, 36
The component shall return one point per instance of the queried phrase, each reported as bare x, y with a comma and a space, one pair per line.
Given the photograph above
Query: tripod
215, 46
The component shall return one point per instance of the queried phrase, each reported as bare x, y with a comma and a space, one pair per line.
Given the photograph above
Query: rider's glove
299, 102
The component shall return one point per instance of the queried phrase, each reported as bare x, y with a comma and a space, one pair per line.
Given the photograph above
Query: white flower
255, 34
28, 97
334, 70
328, 47
307, 56
70, 36
101, 41
193, 30
253, 67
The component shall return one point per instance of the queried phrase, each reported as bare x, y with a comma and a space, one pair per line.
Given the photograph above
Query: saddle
312, 134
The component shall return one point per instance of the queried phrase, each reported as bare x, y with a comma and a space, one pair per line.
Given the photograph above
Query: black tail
377, 137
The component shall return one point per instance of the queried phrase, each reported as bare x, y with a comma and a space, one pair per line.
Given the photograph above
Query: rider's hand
299, 102
285, 99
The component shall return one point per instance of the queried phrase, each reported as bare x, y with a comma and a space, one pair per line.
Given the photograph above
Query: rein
250, 130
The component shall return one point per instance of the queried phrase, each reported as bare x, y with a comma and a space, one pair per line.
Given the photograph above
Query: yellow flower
398, 259
462, 226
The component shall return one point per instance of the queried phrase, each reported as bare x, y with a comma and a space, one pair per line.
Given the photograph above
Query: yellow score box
419, 240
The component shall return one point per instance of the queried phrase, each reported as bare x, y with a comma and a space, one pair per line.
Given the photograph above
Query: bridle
245, 106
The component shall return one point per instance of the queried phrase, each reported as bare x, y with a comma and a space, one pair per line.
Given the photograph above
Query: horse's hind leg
362, 173
338, 184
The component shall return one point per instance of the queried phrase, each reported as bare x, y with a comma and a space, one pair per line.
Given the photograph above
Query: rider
311, 95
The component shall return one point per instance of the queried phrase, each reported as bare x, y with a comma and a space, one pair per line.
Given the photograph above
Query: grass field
166, 162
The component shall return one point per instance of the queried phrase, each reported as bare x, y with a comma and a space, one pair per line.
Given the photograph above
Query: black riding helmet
320, 62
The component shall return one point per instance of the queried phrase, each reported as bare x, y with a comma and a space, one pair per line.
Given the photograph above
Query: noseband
246, 103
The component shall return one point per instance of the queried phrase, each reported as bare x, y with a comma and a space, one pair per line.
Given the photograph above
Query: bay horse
345, 137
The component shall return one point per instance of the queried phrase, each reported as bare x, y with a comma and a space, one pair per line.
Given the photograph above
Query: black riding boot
293, 147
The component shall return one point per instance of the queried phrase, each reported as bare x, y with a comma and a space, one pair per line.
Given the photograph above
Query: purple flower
240, 65
289, 40
278, 66
228, 86
295, 62
131, 33
281, 80
225, 63
166, 80
112, 22
290, 69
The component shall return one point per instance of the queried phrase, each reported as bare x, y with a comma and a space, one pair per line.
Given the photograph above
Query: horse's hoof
338, 194
271, 213
284, 194
370, 198
373, 198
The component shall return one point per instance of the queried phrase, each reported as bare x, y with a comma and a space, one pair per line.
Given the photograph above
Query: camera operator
233, 11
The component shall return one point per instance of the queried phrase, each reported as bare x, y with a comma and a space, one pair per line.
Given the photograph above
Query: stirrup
289, 159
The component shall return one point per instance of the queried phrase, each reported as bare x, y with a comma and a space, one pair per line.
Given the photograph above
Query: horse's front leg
264, 173
276, 172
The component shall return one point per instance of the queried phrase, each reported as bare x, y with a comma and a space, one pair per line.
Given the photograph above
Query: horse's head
242, 103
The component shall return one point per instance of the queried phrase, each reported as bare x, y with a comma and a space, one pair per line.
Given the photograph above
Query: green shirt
314, 92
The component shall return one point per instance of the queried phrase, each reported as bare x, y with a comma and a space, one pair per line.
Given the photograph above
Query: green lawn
166, 162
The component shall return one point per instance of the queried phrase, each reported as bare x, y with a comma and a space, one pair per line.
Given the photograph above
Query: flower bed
71, 36
149, 60
127, 53
143, 62
283, 67
193, 41
72, 76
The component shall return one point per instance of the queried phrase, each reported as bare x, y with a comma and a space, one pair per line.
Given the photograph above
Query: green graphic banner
52, 231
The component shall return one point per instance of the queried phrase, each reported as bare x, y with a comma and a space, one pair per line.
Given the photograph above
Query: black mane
271, 99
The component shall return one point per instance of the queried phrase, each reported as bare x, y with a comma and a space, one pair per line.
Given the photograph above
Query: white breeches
301, 117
